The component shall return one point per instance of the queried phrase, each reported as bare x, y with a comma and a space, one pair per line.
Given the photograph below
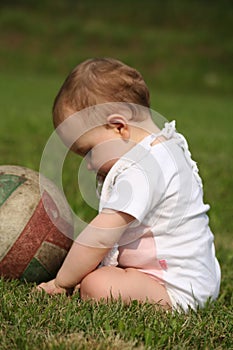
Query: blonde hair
97, 81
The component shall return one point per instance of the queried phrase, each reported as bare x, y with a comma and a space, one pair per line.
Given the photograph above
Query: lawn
185, 53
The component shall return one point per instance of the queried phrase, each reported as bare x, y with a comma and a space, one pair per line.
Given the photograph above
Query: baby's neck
143, 129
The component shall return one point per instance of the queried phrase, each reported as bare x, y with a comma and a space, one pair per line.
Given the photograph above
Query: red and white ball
36, 228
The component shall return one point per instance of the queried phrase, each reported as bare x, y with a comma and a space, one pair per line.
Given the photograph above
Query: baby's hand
51, 288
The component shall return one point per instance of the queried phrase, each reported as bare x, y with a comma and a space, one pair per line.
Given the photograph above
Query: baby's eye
88, 154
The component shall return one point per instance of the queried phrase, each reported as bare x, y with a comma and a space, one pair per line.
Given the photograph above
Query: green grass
34, 321
184, 50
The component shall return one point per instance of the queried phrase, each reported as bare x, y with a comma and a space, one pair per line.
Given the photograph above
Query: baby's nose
88, 162
89, 166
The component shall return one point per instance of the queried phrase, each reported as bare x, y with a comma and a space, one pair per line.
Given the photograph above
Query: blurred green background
182, 48
178, 44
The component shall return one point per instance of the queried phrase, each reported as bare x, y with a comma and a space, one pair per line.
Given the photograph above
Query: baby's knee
86, 286
93, 286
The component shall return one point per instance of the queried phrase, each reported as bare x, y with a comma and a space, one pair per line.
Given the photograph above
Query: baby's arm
89, 249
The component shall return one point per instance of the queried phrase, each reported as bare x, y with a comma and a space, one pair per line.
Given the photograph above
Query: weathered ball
36, 228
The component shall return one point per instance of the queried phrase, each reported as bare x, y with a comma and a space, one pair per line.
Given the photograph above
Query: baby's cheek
103, 163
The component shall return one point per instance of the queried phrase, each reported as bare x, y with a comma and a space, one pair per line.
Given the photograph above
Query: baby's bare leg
129, 284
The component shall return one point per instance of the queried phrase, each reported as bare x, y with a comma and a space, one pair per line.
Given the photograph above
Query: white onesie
170, 239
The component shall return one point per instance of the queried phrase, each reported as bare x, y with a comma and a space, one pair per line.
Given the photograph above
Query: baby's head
98, 81
103, 106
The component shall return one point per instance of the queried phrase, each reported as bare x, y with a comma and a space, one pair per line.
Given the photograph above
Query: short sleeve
134, 192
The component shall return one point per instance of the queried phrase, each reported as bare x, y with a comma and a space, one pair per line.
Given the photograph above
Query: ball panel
8, 184
35, 272
59, 239
15, 213
54, 236
51, 257
56, 215
34, 233
59, 201
32, 214
20, 171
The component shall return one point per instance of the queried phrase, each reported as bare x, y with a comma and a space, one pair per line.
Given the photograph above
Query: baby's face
101, 146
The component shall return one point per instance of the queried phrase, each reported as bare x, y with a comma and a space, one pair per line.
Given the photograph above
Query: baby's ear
119, 122
114, 119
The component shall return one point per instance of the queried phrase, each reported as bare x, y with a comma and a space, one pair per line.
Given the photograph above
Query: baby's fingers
37, 289
76, 288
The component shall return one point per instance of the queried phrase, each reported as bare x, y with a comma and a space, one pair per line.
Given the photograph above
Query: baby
151, 240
